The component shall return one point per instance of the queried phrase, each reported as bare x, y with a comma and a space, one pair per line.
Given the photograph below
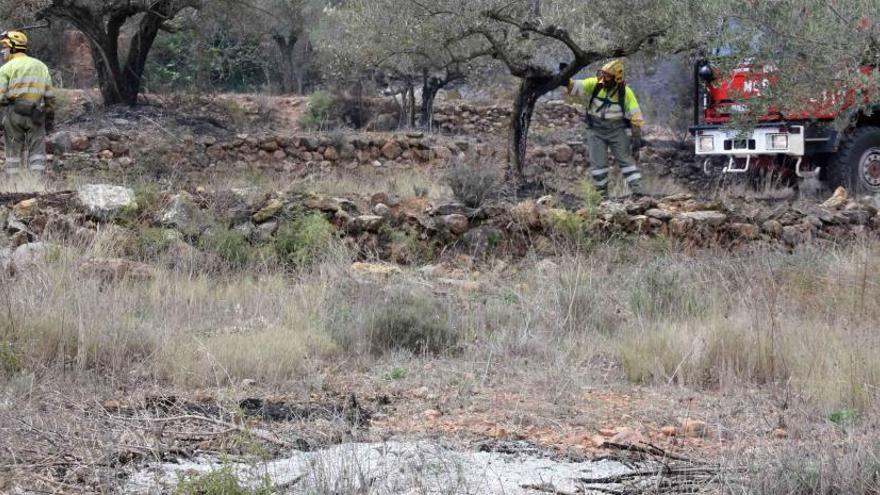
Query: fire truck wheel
856, 165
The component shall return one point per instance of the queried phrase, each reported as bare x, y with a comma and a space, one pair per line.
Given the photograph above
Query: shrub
229, 245
571, 228
151, 242
472, 185
10, 361
303, 240
409, 322
220, 482
320, 114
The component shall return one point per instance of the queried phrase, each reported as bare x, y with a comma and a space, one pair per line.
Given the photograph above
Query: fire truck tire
856, 165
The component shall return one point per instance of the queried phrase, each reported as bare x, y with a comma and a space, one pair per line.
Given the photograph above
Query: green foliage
844, 417
151, 242
411, 322
229, 245
220, 482
304, 240
662, 293
570, 228
406, 247
588, 193
472, 185
321, 112
396, 374
10, 361
207, 59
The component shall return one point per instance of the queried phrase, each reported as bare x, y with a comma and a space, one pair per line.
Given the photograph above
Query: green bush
10, 361
472, 185
151, 242
304, 240
320, 113
406, 321
220, 482
229, 245
570, 228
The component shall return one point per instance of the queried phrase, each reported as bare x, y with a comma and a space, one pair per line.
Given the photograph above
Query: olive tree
120, 72
813, 46
400, 41
530, 38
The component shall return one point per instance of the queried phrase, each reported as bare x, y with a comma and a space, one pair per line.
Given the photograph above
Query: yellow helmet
15, 40
615, 70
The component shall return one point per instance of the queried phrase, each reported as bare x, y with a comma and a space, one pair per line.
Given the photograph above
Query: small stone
456, 223
272, 207
366, 223
391, 150
382, 210
772, 227
659, 214
526, 213
25, 210
712, 218
837, 200
105, 155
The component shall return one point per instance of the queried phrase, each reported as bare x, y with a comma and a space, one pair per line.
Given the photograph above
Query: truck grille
739, 144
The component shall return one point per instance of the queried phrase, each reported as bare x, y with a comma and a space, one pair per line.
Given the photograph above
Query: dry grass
25, 181
712, 321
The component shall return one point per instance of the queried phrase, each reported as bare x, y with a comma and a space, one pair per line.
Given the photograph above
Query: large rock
391, 150
181, 212
105, 201
28, 256
563, 153
711, 218
456, 223
365, 223
269, 210
527, 214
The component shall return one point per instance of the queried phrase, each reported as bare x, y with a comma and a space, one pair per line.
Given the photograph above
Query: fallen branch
256, 433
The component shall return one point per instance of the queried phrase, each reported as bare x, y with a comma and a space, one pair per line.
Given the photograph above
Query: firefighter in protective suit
27, 95
611, 109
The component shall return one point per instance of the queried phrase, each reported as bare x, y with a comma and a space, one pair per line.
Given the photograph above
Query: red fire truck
830, 135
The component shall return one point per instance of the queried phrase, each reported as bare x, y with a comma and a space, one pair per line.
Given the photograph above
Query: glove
636, 141
50, 122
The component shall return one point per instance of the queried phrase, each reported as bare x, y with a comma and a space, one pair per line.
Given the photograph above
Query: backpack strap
621, 100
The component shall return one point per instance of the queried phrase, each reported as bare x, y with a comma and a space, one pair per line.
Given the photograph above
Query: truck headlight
777, 141
706, 144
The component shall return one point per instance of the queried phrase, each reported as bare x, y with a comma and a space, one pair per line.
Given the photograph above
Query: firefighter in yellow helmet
611, 109
27, 95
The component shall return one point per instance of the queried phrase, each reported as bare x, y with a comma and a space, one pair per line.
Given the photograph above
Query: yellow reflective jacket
26, 78
606, 105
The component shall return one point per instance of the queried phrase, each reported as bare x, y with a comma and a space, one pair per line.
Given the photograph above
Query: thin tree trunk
521, 120
530, 90
430, 87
